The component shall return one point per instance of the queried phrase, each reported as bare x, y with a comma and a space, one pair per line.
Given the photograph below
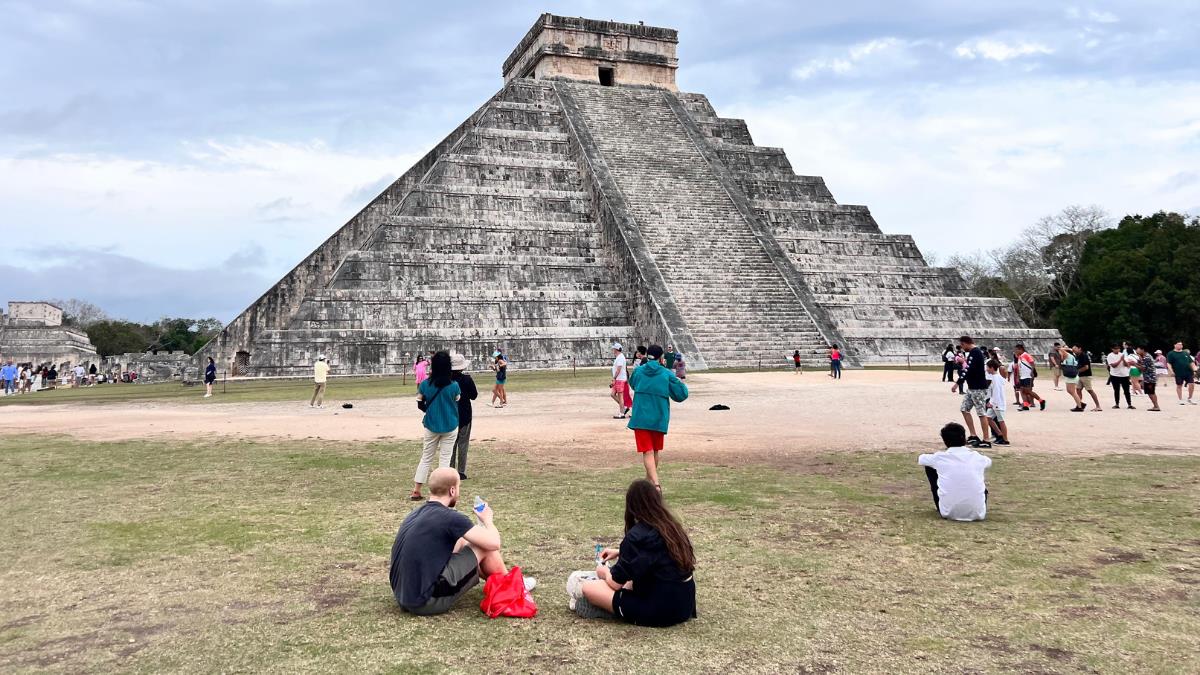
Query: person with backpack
438, 398
1026, 374
1070, 372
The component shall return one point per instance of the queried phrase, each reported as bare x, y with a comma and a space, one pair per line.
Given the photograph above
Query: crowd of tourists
27, 378
982, 376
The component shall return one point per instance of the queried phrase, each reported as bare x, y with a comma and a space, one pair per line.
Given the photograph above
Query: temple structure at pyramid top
597, 52
587, 202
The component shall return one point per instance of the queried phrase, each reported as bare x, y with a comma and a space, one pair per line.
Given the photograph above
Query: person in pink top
421, 370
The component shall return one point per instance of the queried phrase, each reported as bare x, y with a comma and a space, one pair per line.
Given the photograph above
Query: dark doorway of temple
241, 363
606, 76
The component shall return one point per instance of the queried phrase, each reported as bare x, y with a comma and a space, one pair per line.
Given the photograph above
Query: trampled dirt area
773, 417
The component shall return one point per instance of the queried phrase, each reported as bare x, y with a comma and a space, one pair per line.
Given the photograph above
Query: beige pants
439, 445
318, 394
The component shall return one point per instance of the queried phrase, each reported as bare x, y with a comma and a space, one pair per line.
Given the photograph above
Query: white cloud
997, 50
967, 168
874, 53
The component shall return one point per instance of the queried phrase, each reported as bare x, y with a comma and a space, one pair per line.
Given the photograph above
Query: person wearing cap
620, 381
500, 366
467, 392
655, 387
320, 376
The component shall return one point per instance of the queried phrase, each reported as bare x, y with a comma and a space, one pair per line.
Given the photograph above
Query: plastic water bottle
480, 505
599, 550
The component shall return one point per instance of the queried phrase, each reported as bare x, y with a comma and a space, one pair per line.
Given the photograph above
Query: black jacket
467, 393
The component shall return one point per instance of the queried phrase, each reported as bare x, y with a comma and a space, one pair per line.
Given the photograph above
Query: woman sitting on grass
651, 582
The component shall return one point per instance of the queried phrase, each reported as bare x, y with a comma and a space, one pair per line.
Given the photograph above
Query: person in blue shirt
8, 373
655, 387
210, 376
438, 397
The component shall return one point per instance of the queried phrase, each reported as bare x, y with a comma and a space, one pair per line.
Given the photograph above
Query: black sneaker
1131, 408
462, 476
1002, 441
973, 441
1043, 404
983, 444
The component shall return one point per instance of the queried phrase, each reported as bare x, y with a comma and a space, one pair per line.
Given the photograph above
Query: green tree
1138, 282
119, 337
186, 335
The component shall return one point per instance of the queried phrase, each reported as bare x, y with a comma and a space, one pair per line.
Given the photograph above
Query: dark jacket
467, 392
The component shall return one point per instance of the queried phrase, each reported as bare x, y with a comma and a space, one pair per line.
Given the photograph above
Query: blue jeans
835, 368
8, 387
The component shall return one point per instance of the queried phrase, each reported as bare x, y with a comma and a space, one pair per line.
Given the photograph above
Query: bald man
439, 555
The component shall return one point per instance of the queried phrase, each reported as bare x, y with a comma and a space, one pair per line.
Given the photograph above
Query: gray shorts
977, 399
996, 414
460, 575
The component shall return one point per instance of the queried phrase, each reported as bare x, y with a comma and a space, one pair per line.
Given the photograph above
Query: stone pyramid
588, 202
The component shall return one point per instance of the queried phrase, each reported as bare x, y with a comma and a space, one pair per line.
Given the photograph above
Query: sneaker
973, 441
208, 396
1002, 441
462, 476
1116, 407
1182, 403
1131, 407
1191, 402
530, 584
1078, 409
1043, 405
984, 444
575, 584
586, 610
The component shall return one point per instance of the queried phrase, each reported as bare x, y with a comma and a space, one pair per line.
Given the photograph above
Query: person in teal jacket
655, 387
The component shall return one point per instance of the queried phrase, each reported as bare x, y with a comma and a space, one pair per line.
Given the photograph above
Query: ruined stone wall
34, 313
573, 48
46, 344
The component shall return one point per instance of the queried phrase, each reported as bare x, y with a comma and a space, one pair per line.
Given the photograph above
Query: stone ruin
153, 366
33, 332
589, 201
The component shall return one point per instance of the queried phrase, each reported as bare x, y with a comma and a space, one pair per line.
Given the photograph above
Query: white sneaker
1182, 403
1191, 402
208, 396
530, 584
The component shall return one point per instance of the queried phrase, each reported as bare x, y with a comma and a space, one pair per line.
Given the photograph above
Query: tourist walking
500, 366
1070, 371
796, 362
996, 406
1149, 377
1085, 375
620, 381
438, 398
79, 374
1054, 361
467, 392
650, 582
210, 376
976, 396
1026, 374
656, 387
1183, 368
1118, 363
948, 369
320, 376
835, 362
680, 366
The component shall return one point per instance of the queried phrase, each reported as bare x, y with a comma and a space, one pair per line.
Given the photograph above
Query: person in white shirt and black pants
1118, 375
956, 477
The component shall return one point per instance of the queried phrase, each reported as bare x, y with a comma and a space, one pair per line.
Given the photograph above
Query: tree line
116, 336
1098, 281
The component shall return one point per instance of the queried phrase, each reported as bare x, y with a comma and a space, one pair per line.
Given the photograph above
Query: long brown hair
644, 504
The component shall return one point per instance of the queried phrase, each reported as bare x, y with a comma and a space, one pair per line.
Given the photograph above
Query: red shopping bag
505, 595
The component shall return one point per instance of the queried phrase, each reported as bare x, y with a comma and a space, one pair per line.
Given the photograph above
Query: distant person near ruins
500, 366
1070, 370
1181, 366
1026, 374
620, 381
948, 363
92, 375
210, 376
79, 373
1149, 377
835, 362
655, 387
1054, 361
467, 392
1118, 363
320, 377
8, 373
680, 366
1085, 375
438, 398
420, 370
669, 358
799, 369
976, 394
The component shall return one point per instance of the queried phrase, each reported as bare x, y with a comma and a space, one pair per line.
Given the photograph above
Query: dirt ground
774, 417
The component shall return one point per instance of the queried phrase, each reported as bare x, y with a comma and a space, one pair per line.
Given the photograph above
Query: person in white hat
467, 392
320, 375
620, 381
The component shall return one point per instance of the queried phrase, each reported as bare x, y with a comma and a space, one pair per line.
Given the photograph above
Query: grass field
341, 389
145, 556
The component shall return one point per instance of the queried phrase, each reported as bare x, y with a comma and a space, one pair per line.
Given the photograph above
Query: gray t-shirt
422, 548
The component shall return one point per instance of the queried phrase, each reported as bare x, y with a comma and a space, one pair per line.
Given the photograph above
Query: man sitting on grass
956, 477
438, 555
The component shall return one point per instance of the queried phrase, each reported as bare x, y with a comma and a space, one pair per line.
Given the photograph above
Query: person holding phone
650, 582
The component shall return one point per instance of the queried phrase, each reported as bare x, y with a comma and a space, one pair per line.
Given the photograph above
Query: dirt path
774, 417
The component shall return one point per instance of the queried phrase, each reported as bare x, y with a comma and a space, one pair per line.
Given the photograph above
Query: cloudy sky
177, 157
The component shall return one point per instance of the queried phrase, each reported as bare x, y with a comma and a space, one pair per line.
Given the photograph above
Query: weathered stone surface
32, 332
565, 214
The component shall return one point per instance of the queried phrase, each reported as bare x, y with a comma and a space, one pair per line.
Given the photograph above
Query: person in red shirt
1026, 373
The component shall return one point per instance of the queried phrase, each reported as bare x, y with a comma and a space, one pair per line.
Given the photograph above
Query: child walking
655, 387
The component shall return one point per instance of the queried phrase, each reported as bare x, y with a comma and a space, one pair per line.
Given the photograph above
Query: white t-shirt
620, 374
1025, 366
996, 391
960, 482
1117, 365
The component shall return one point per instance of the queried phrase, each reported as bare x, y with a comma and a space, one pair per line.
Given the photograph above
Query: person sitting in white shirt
956, 477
